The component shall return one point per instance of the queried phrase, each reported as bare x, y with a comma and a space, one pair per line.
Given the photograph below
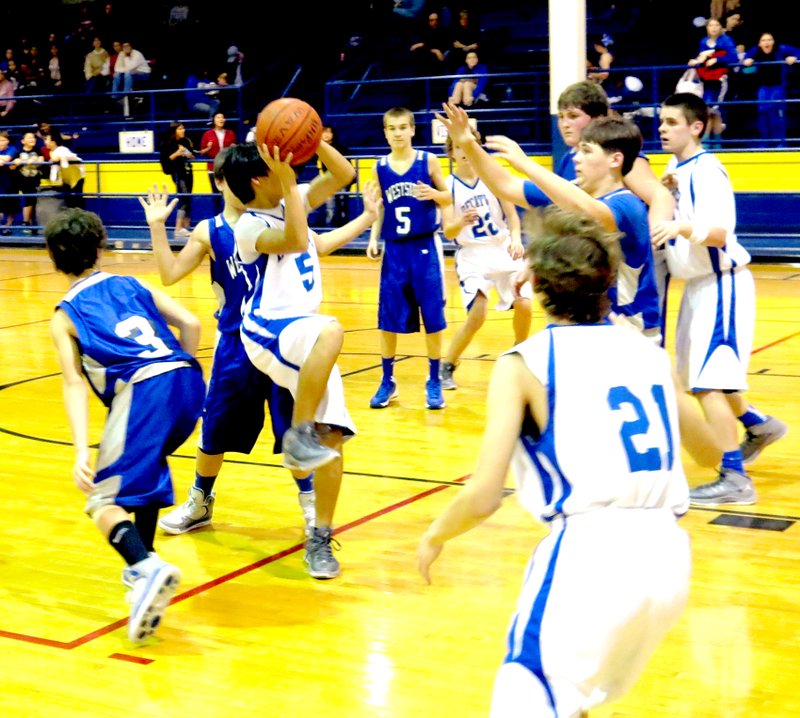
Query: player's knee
332, 335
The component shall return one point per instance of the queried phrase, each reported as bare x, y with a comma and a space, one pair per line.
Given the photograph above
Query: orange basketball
292, 125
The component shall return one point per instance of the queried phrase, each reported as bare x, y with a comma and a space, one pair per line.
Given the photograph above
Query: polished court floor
250, 634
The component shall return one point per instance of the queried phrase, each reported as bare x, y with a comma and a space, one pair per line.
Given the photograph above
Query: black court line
26, 324
28, 276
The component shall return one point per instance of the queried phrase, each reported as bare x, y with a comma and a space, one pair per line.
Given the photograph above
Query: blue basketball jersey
233, 281
121, 333
635, 294
404, 216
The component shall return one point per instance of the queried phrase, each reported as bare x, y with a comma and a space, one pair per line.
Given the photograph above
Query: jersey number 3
141, 331
640, 458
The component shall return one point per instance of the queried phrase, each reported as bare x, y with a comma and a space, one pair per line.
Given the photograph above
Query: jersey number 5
647, 459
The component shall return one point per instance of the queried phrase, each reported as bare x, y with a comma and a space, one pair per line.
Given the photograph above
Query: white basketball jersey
291, 285
612, 437
706, 200
492, 227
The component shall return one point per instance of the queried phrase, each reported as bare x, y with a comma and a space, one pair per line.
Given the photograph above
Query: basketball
292, 125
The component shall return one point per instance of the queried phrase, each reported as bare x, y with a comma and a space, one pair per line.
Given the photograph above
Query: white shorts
714, 335
594, 606
481, 267
279, 347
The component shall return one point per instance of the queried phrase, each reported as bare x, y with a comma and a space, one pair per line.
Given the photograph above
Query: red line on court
772, 344
220, 580
141, 660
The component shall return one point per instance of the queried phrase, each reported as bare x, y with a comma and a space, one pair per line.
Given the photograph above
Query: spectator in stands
600, 58
212, 142
430, 49
116, 51
176, 152
7, 101
131, 70
108, 24
28, 164
716, 55
466, 39
66, 170
54, 77
9, 206
771, 83
233, 68
470, 84
13, 75
96, 67
9, 55
198, 95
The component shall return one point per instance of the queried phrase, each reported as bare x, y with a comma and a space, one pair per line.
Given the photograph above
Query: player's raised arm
172, 268
563, 193
293, 237
373, 201
498, 179
339, 174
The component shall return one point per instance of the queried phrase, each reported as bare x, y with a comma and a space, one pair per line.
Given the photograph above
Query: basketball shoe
319, 554
446, 376
731, 487
302, 448
760, 436
154, 584
193, 513
433, 395
386, 392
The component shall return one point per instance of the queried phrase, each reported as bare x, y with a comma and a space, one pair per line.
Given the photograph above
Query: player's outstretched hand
155, 206
505, 148
373, 199
456, 122
427, 553
520, 279
281, 167
660, 232
82, 474
373, 249
424, 191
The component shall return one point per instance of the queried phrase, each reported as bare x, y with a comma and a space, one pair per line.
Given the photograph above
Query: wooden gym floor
250, 634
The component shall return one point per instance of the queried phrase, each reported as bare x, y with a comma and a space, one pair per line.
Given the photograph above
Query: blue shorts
411, 284
147, 422
233, 413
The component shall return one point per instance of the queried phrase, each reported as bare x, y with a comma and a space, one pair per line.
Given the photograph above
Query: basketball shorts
481, 267
411, 285
148, 420
714, 334
233, 413
593, 608
279, 347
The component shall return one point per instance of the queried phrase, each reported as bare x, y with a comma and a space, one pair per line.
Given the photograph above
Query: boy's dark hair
74, 240
694, 108
449, 141
399, 112
587, 96
574, 262
219, 161
615, 134
241, 164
